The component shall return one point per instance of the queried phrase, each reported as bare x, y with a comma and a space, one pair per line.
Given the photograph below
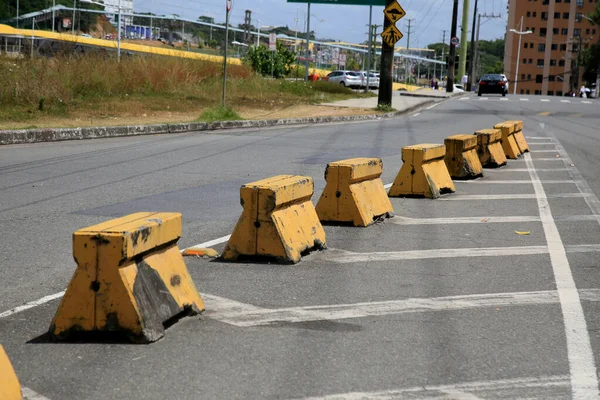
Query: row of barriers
131, 276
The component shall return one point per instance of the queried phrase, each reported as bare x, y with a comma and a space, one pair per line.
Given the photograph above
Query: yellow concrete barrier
130, 278
519, 137
10, 388
423, 174
461, 157
489, 148
354, 192
278, 220
509, 144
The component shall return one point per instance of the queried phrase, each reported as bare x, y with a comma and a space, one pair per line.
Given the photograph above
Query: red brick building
548, 60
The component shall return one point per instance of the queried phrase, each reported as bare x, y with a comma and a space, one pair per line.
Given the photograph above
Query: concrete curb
60, 134
429, 96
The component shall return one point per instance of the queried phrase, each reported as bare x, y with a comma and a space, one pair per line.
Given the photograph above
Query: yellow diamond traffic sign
391, 35
394, 12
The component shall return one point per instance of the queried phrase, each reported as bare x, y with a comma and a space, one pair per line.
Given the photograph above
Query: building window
553, 63
556, 15
530, 61
539, 79
559, 93
587, 31
576, 32
543, 31
524, 61
555, 31
578, 17
564, 31
544, 16
534, 14
554, 46
528, 14
522, 77
563, 47
537, 92
529, 76
579, 3
522, 91
550, 92
566, 15
525, 45
561, 63
551, 78
540, 62
541, 47
527, 91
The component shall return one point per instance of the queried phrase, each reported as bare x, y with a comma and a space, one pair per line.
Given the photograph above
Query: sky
340, 22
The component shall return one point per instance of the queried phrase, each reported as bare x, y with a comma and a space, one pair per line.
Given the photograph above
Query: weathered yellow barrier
509, 144
489, 148
10, 388
130, 277
519, 137
461, 157
423, 174
354, 192
278, 220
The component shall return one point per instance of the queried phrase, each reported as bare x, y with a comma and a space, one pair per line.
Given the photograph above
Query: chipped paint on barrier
489, 148
278, 220
130, 278
423, 173
461, 157
354, 192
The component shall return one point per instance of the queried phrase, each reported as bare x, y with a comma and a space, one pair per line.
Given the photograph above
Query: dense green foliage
265, 62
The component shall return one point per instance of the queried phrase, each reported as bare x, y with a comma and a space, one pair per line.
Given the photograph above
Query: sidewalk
400, 101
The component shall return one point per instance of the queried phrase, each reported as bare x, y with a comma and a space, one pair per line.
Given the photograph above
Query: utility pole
53, 15
369, 47
475, 46
472, 71
374, 48
73, 22
452, 53
228, 6
462, 63
385, 72
306, 63
406, 80
443, 45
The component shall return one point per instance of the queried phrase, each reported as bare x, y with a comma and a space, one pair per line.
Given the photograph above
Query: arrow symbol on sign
395, 15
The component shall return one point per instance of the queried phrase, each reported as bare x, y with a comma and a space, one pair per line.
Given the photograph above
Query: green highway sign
346, 2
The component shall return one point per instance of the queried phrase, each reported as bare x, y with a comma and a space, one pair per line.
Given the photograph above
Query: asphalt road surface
444, 301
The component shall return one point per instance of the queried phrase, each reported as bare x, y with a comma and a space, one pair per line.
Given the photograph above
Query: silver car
373, 79
349, 79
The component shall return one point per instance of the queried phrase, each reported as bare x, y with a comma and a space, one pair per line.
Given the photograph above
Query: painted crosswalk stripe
586, 102
246, 315
524, 99
565, 101
545, 100
517, 196
400, 220
512, 182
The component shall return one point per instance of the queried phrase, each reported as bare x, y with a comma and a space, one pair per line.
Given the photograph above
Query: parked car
373, 80
491, 83
349, 79
505, 83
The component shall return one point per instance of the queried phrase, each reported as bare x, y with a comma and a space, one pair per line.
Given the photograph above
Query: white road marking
387, 186
468, 197
32, 304
586, 102
399, 220
537, 159
584, 382
433, 106
541, 138
483, 98
512, 182
246, 315
524, 99
504, 388
545, 100
29, 394
416, 115
565, 101
210, 243
503, 99
545, 151
350, 257
525, 170
464, 98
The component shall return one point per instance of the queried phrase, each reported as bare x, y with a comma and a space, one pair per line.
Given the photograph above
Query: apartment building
548, 60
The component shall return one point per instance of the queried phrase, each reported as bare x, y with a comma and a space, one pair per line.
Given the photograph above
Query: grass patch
93, 89
219, 113
387, 108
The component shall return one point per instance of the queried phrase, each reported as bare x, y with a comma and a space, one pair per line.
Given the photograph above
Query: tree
265, 62
591, 56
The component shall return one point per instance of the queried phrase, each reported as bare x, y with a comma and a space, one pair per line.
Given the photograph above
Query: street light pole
258, 35
520, 33
53, 5
17, 14
73, 21
306, 62
119, 35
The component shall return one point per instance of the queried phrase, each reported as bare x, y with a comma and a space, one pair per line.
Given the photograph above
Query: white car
373, 80
349, 79
459, 88
505, 83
